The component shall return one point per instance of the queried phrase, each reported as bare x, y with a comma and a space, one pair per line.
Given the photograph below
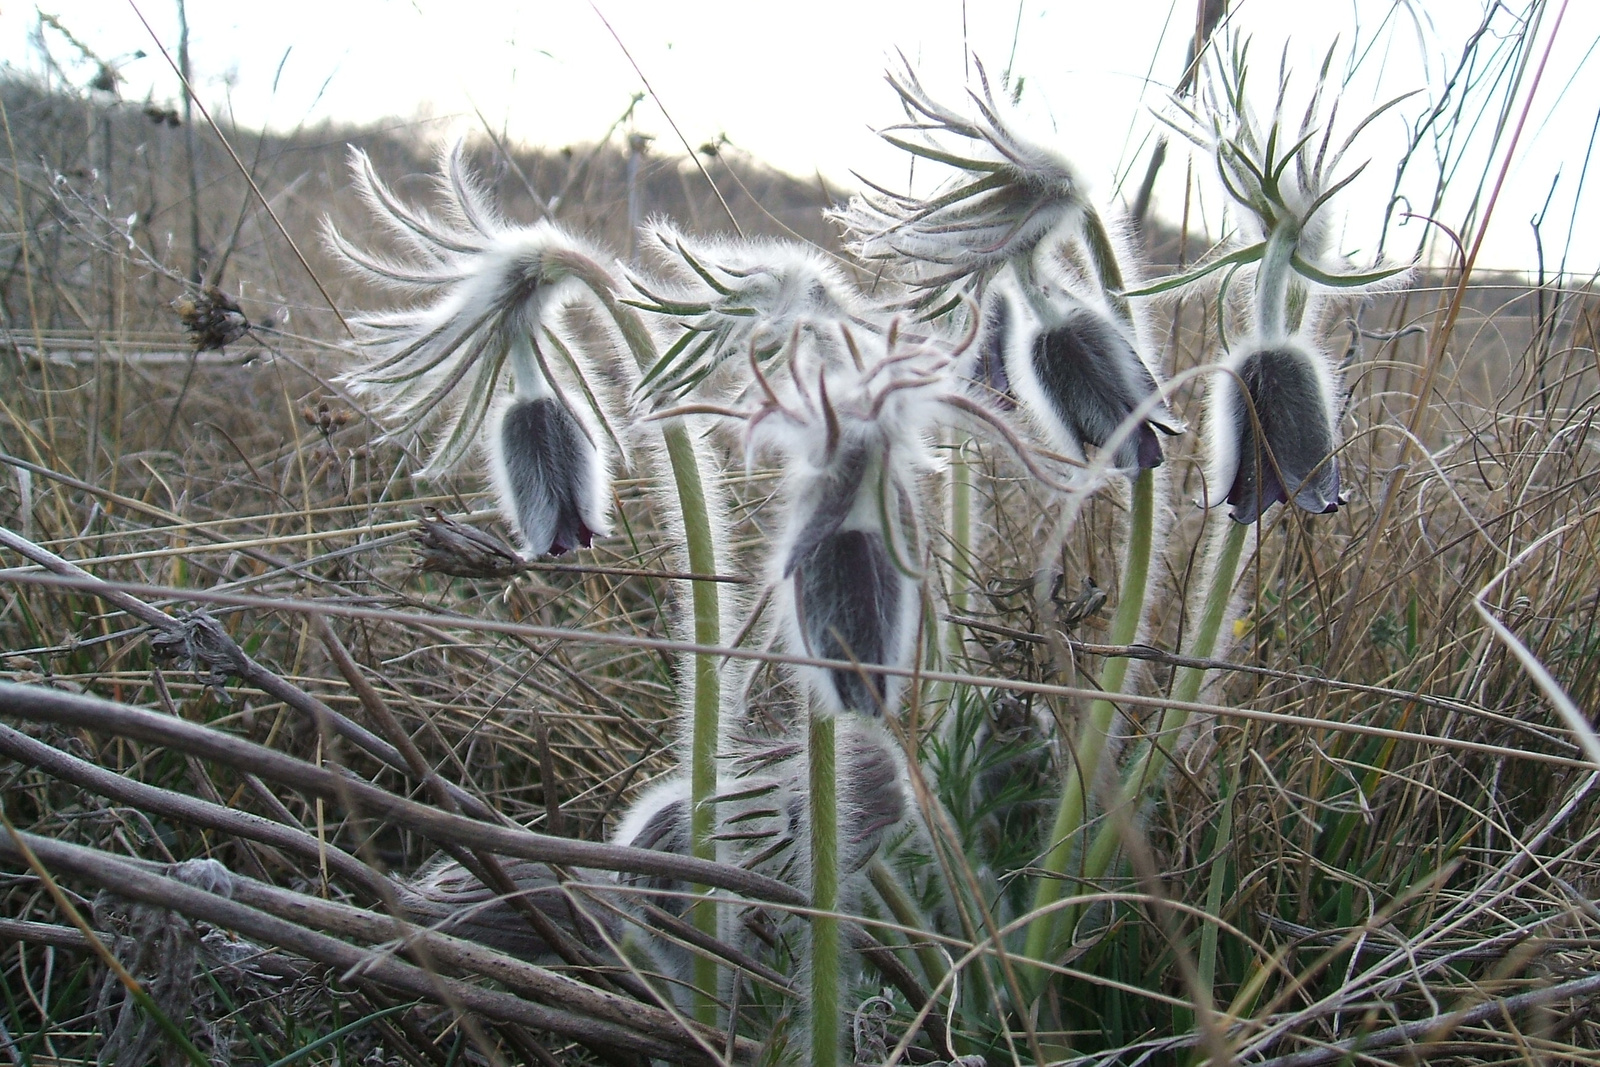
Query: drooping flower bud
548, 474
1080, 374
853, 436
1291, 394
491, 285
851, 600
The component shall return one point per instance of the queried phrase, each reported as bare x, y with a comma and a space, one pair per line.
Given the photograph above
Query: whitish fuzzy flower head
737, 298
1290, 390
761, 807
1284, 176
1008, 195
486, 290
853, 438
1078, 370
485, 287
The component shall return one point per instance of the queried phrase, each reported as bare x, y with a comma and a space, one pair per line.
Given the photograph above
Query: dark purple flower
851, 601
1292, 394
1083, 378
549, 475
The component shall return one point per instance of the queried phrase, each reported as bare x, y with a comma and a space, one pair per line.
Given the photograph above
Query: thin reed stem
962, 567
824, 895
1097, 725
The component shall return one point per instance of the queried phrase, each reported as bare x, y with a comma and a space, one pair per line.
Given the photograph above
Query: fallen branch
92, 713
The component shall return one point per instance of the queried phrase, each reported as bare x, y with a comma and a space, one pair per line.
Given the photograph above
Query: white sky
799, 84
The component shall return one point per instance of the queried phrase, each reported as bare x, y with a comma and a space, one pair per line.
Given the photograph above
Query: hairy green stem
1103, 256
1273, 278
699, 538
707, 695
907, 914
1152, 757
824, 895
1097, 724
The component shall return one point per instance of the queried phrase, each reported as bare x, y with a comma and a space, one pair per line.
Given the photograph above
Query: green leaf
929, 152
705, 275
1342, 281
349, 1028
1177, 281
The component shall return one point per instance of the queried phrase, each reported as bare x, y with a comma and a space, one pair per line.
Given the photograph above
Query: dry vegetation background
1398, 877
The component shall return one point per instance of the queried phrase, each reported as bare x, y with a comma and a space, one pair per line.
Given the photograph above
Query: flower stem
1103, 256
1151, 759
824, 895
1097, 725
1273, 279
707, 695
700, 540
961, 571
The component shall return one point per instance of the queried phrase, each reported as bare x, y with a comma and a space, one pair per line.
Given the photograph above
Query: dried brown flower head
212, 317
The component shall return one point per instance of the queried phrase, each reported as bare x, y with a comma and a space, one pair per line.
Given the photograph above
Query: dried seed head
1291, 391
445, 546
324, 418
213, 319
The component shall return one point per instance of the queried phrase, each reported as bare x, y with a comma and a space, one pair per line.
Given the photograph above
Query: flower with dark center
1082, 377
1292, 399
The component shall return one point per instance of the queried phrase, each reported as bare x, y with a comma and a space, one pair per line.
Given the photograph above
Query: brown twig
92, 713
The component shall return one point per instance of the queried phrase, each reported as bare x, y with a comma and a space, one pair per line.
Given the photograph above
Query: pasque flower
1008, 196
997, 231
850, 432
548, 473
488, 287
736, 298
761, 817
1078, 370
854, 594
1273, 433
